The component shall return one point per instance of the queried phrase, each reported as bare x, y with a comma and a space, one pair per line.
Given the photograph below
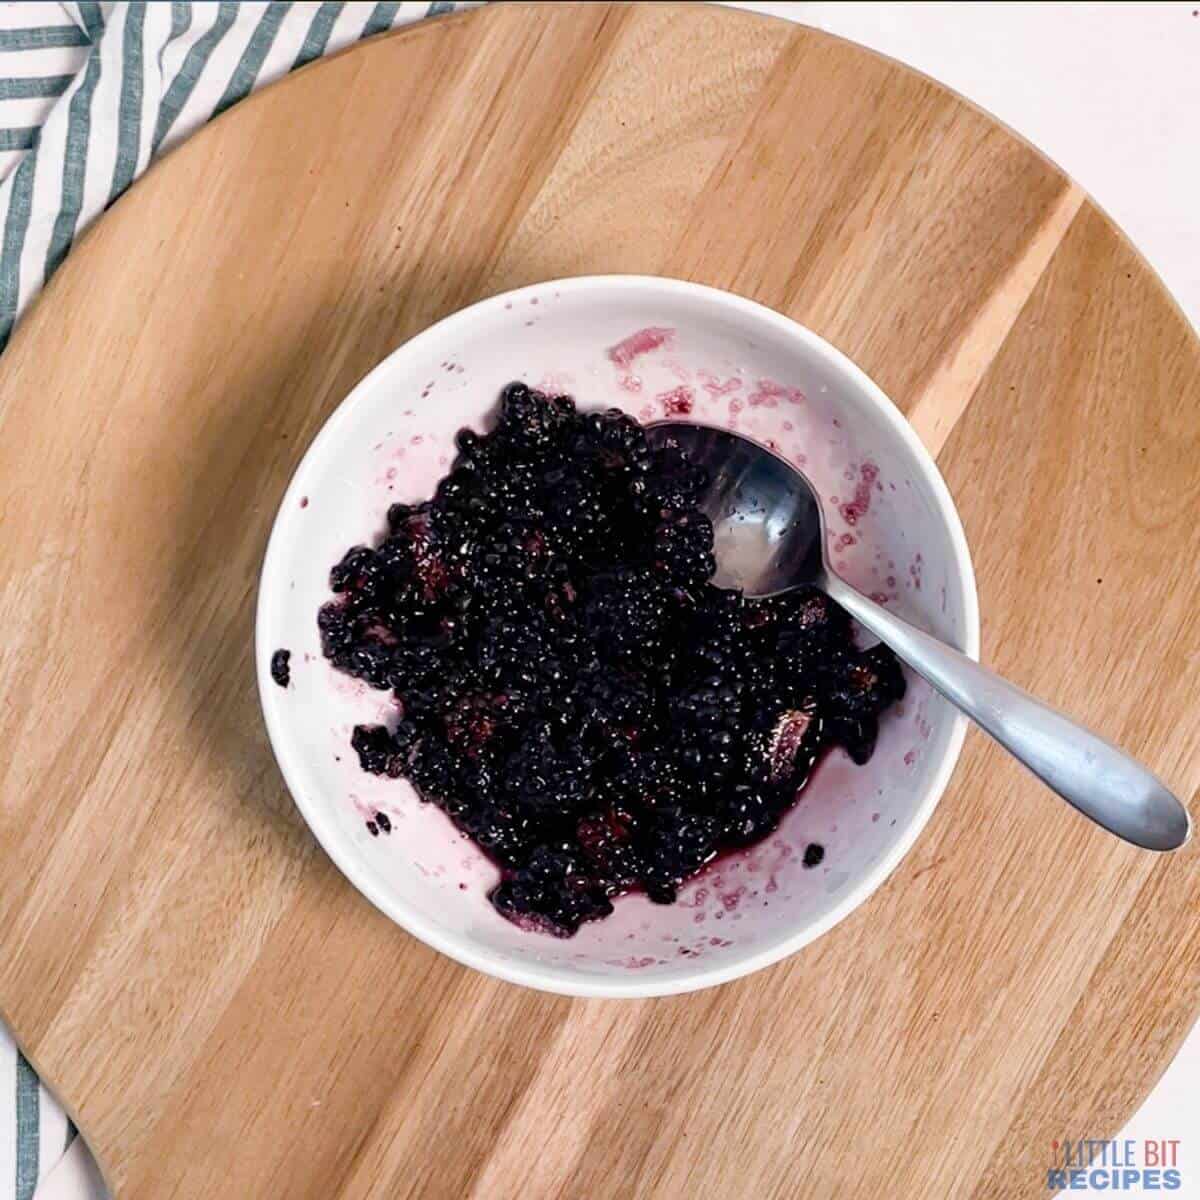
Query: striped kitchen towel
89, 94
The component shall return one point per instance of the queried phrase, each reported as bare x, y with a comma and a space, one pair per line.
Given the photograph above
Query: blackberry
616, 439
682, 551
431, 768
336, 627
807, 617
510, 650
748, 815
707, 721
856, 736
887, 680
675, 846
378, 752
571, 689
553, 783
398, 515
412, 565
630, 614
506, 831
281, 670
416, 661
552, 892
672, 483
612, 705
607, 842
473, 723
582, 518
861, 686
371, 661
532, 421
357, 572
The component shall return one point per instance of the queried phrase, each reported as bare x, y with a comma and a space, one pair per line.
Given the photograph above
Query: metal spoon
770, 536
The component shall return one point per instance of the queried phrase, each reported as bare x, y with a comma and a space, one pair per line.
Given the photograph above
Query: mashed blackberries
281, 669
570, 688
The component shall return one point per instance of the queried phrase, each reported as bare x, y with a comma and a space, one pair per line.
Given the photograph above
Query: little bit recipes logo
1133, 1166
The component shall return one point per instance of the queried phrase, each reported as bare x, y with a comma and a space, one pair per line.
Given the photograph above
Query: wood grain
222, 1012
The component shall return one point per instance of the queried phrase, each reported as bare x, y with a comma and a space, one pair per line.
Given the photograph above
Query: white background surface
1111, 92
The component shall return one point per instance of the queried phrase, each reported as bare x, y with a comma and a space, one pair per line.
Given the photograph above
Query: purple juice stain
281, 669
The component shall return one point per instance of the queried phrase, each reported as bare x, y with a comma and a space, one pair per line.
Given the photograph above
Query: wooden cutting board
222, 1012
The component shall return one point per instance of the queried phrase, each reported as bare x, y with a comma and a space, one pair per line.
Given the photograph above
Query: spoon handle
1091, 774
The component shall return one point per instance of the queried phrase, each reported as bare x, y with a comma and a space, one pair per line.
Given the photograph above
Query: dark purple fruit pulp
570, 687
281, 669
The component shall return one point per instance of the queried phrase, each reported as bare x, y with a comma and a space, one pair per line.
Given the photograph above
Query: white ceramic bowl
739, 364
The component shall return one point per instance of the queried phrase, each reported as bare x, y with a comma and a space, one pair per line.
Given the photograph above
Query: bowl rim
538, 975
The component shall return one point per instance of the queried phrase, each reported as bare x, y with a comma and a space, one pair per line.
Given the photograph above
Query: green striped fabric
41, 38
35, 87
89, 95
17, 139
28, 1114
